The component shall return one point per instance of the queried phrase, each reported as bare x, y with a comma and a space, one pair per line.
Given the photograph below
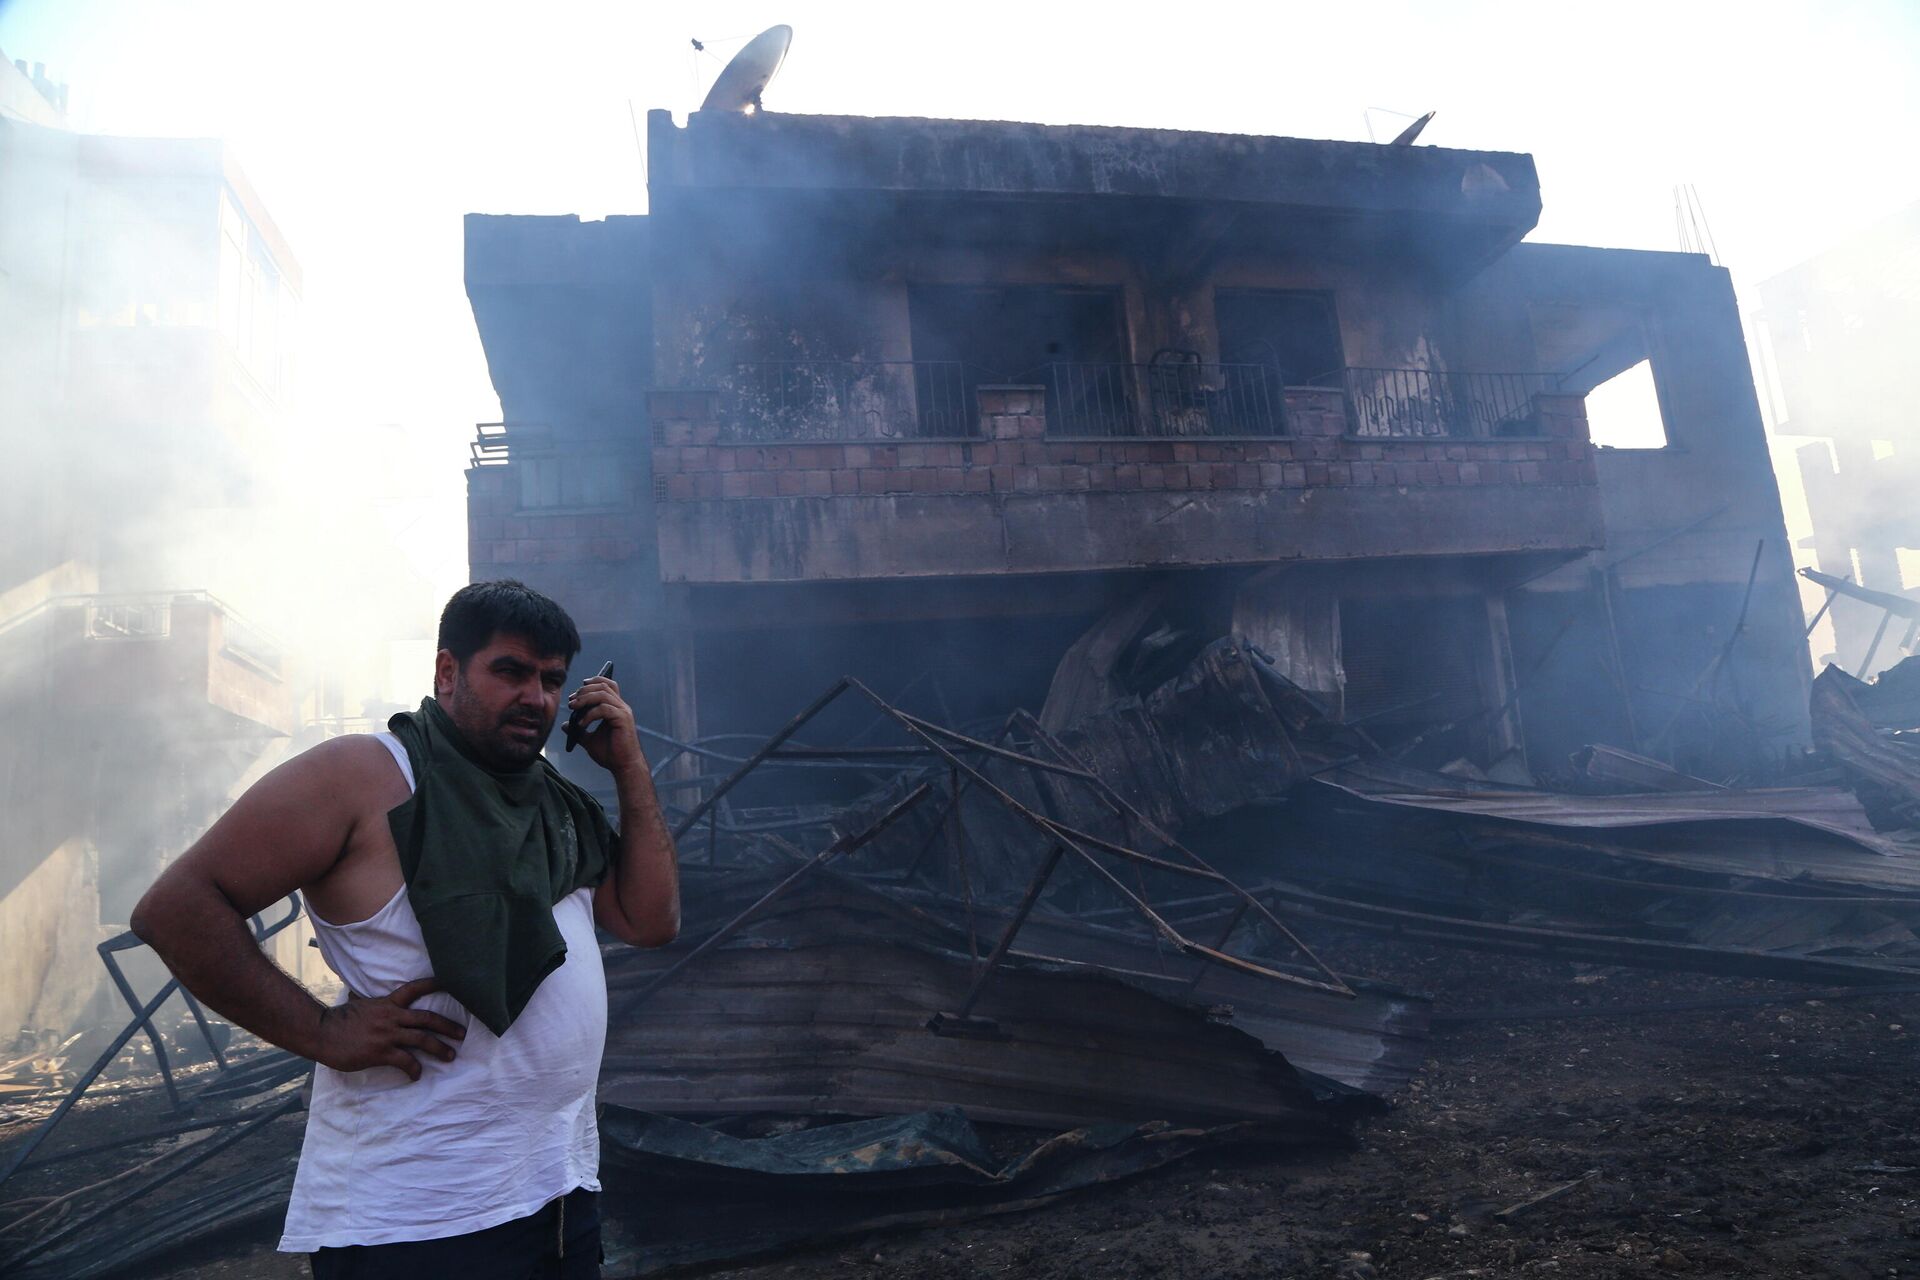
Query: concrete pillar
683, 703
1504, 735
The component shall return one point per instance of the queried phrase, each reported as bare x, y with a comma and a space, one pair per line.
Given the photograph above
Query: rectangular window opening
1624, 411
1294, 333
1072, 341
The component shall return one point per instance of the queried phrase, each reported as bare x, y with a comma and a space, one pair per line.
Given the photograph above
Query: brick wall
500, 532
1014, 455
600, 564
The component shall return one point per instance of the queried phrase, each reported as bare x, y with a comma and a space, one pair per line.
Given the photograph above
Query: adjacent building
1842, 327
147, 304
933, 402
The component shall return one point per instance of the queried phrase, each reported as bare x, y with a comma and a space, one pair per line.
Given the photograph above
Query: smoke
199, 577
1840, 331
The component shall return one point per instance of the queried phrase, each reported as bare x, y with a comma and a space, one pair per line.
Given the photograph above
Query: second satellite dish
742, 80
1412, 131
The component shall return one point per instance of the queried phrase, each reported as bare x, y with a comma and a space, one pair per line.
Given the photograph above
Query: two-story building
928, 401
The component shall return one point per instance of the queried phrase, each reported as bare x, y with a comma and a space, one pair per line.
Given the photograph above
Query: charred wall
796, 268
1683, 521
564, 313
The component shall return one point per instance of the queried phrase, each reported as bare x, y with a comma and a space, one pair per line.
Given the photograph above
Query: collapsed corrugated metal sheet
839, 1026
1373, 1043
1892, 700
1630, 771
1882, 767
1785, 834
1830, 809
1586, 946
1205, 743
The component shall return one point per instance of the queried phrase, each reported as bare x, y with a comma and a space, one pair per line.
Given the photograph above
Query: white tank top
504, 1128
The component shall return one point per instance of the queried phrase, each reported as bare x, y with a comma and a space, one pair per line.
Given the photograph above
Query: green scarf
486, 856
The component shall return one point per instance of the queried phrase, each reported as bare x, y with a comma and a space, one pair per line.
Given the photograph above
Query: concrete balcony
181, 660
1015, 498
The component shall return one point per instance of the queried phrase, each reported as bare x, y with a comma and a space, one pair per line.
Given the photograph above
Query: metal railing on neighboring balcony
1165, 398
489, 445
149, 616
781, 400
1422, 403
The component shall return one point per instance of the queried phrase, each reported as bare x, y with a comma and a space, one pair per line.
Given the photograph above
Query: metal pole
959, 837
1072, 838
1833, 594
1000, 948
1233, 922
1619, 660
1122, 806
1879, 633
846, 844
142, 1017
767, 748
939, 824
111, 1052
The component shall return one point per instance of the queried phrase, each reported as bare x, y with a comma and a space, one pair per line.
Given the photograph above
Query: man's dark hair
476, 612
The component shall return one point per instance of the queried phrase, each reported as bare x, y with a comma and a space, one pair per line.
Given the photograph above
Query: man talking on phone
454, 879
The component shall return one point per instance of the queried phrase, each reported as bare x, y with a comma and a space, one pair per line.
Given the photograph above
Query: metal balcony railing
848, 400
1422, 403
489, 446
1165, 398
800, 400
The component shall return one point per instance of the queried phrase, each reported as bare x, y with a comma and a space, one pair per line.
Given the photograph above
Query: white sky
370, 128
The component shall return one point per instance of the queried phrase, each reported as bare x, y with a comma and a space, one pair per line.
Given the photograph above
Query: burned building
996, 414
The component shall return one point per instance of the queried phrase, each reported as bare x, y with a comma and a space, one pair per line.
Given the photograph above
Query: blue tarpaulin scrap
684, 1195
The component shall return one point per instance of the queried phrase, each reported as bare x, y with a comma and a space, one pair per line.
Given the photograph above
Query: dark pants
558, 1241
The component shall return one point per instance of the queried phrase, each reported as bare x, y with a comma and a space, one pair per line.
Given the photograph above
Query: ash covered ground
1770, 1141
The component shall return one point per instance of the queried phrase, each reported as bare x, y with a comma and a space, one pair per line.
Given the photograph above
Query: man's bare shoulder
297, 826
356, 768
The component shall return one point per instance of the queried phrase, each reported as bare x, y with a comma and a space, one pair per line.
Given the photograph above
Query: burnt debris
1104, 933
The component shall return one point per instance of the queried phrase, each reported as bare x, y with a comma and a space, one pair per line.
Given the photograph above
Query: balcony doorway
1073, 341
1294, 333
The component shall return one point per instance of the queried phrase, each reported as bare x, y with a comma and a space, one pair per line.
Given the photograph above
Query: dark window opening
1294, 333
1072, 341
1413, 669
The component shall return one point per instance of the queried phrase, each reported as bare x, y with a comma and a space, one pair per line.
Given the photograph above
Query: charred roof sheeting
1883, 767
1830, 810
825, 1023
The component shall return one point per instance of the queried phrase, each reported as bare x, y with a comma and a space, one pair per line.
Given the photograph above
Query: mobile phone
573, 731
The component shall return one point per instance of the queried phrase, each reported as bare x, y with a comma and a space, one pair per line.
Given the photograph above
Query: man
453, 878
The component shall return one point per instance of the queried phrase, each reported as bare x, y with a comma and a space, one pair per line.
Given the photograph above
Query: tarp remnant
699, 1196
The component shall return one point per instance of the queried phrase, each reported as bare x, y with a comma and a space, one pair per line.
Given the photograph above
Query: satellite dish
742, 80
1406, 136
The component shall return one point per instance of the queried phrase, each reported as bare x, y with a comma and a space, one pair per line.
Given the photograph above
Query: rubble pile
1041, 959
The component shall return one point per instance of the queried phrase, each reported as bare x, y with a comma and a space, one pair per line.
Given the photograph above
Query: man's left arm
639, 901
